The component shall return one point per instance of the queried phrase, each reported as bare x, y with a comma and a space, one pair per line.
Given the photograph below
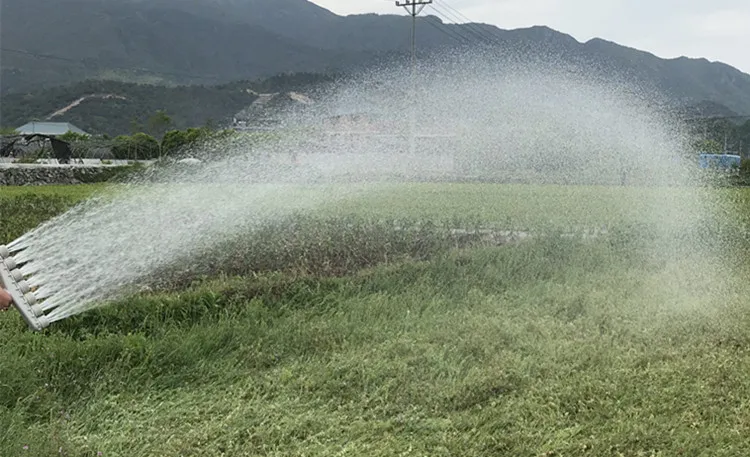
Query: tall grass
351, 335
549, 346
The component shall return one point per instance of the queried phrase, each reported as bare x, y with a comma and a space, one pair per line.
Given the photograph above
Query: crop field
335, 333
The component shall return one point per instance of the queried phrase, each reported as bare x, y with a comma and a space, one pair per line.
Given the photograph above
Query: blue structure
719, 161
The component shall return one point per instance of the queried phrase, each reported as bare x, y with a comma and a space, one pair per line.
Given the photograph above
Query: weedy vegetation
370, 329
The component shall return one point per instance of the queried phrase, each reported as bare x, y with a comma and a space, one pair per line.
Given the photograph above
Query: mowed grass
551, 347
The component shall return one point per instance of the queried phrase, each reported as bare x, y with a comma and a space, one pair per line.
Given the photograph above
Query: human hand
5, 300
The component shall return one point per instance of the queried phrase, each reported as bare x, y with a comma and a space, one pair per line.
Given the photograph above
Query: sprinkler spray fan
20, 291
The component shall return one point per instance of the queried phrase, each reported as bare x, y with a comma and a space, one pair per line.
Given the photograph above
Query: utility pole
414, 8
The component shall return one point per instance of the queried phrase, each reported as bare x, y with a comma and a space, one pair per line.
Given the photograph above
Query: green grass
75, 193
552, 347
519, 205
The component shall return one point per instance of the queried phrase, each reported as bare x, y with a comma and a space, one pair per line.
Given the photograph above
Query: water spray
499, 120
20, 290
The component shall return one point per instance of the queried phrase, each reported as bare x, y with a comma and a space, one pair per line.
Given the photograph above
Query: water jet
480, 120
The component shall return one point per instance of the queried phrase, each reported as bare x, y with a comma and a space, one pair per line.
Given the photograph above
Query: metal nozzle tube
24, 302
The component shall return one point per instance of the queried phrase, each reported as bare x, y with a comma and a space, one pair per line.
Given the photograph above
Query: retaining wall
35, 175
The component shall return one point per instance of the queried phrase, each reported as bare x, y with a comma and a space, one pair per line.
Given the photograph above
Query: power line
85, 64
491, 32
455, 31
441, 27
460, 29
459, 13
468, 26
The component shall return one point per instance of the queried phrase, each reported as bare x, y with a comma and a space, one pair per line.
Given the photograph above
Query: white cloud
716, 30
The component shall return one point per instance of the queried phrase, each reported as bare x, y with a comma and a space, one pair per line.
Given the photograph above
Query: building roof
49, 128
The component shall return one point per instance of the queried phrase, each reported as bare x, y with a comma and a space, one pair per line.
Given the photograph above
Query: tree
743, 132
158, 124
176, 140
135, 126
173, 141
136, 147
79, 143
708, 147
71, 137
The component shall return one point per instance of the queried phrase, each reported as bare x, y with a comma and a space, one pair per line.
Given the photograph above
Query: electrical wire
441, 27
468, 26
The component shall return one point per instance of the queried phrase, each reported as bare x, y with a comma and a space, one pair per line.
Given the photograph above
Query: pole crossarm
414, 7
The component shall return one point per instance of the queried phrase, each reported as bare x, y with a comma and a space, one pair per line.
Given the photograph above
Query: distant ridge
210, 42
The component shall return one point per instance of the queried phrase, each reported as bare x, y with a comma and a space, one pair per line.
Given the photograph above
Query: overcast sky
714, 29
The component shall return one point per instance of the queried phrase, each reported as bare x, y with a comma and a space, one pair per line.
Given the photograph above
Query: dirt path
77, 102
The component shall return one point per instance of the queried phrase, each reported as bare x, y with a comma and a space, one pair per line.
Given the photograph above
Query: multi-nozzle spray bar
20, 291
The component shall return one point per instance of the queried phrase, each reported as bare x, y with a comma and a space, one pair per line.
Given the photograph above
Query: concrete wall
35, 175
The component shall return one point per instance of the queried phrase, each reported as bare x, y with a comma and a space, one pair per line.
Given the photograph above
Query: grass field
553, 347
518, 205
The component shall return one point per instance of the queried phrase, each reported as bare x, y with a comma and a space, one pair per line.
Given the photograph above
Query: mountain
113, 39
47, 43
707, 110
115, 108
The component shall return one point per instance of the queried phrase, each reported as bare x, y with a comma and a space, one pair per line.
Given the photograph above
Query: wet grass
552, 347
